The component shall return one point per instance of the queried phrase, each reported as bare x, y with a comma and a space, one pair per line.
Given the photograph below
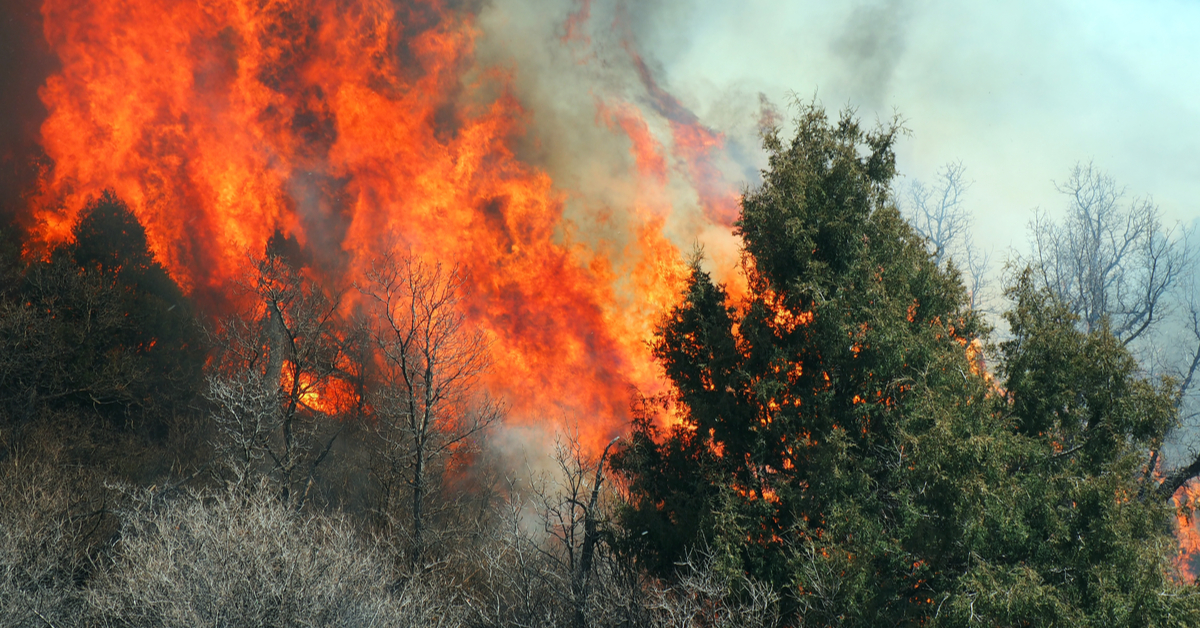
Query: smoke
871, 45
585, 143
25, 62
610, 131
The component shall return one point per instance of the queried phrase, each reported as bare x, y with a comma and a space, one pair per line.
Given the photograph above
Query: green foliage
837, 437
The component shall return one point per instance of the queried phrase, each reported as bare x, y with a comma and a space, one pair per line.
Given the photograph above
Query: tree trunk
418, 497
581, 578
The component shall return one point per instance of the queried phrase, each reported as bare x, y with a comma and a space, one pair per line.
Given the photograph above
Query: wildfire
366, 125
1186, 500
328, 395
786, 321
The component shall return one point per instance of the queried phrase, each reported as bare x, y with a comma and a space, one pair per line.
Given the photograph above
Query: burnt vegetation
849, 444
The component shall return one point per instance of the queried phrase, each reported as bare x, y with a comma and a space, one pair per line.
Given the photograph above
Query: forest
846, 440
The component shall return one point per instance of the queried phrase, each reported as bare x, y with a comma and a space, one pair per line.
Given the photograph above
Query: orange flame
358, 127
1185, 500
329, 396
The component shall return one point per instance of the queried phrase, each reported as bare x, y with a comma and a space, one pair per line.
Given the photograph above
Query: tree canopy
836, 434
98, 334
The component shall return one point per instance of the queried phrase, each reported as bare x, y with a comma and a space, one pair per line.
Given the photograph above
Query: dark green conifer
98, 338
837, 437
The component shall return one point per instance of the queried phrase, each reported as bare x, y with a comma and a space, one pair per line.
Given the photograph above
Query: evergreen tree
159, 326
837, 436
99, 335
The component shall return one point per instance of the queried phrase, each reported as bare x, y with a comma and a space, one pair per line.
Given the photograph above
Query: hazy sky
1018, 91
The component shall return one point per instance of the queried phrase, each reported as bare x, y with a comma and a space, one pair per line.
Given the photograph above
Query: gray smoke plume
871, 45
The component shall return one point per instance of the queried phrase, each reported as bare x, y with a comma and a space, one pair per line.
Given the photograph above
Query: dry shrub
521, 582
704, 596
242, 558
237, 558
52, 518
534, 566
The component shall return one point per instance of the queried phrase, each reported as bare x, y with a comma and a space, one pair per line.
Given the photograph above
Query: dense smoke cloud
612, 134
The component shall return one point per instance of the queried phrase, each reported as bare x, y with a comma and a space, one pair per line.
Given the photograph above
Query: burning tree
837, 438
280, 371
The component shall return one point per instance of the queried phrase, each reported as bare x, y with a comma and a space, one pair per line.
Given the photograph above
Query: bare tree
939, 215
278, 365
426, 403
1110, 259
937, 212
1191, 362
977, 264
572, 519
1187, 344
515, 584
551, 560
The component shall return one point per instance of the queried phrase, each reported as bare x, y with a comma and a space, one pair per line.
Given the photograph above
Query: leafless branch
1108, 260
939, 214
427, 403
275, 362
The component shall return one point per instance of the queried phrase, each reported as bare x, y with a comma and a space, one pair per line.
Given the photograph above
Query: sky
1018, 91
